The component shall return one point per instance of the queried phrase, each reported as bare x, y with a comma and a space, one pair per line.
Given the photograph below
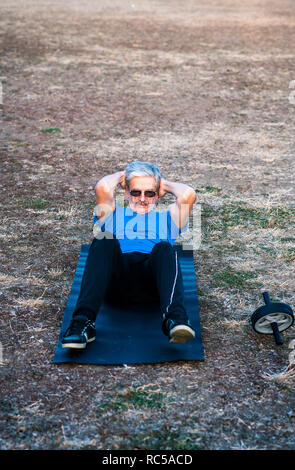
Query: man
132, 257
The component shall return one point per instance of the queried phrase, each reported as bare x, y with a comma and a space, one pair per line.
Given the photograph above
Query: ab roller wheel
272, 318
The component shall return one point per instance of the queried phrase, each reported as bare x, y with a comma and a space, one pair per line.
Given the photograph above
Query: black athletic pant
131, 277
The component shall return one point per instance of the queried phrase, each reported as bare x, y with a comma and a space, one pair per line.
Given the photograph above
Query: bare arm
104, 192
185, 199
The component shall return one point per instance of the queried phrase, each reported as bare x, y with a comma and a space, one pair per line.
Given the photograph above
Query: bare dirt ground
203, 90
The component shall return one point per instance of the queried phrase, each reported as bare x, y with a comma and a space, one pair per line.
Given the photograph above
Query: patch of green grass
51, 130
208, 189
235, 279
134, 398
208, 212
269, 250
232, 215
90, 205
35, 203
201, 292
288, 240
162, 439
289, 255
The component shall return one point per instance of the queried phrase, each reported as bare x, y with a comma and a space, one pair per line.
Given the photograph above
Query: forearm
104, 192
109, 182
181, 191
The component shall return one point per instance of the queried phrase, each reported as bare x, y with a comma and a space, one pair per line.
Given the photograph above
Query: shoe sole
181, 334
77, 345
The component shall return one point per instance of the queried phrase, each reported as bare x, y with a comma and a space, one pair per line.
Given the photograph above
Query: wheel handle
276, 333
274, 324
266, 298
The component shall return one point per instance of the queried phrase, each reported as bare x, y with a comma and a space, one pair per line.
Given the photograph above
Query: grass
51, 130
240, 214
288, 239
159, 440
134, 398
289, 255
223, 402
208, 189
229, 229
244, 242
285, 377
35, 203
235, 279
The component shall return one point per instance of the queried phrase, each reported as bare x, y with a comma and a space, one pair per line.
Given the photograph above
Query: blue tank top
140, 232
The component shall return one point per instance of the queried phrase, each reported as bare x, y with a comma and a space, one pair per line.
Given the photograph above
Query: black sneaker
179, 332
80, 332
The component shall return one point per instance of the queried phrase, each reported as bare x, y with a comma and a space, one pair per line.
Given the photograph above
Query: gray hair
137, 168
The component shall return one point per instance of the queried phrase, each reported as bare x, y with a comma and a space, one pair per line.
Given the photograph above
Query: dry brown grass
202, 90
286, 376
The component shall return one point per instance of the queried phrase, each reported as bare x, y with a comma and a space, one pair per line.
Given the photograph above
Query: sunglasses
148, 193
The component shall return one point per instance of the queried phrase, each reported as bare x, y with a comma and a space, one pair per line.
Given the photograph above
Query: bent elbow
190, 196
193, 195
101, 187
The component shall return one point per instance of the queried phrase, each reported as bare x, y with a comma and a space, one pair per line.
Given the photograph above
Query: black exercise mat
133, 335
